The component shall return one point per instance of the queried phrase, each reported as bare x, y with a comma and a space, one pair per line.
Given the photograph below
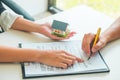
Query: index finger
78, 59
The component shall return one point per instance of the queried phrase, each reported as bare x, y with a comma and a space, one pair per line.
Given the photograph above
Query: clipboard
35, 70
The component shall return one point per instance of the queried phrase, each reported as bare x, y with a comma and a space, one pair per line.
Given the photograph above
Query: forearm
25, 25
113, 32
10, 54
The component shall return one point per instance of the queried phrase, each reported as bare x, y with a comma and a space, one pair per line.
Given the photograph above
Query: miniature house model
59, 28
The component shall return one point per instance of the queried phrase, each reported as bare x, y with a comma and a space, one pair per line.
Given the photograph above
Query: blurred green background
108, 7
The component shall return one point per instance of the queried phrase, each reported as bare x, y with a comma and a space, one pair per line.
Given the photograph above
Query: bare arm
11, 54
110, 34
29, 26
113, 32
57, 58
25, 25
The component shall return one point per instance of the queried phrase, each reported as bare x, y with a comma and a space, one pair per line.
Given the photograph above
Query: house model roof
59, 25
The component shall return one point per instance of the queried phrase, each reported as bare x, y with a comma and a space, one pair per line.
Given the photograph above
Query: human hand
88, 38
57, 58
46, 30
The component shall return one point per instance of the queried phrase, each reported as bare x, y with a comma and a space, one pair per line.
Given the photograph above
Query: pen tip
88, 58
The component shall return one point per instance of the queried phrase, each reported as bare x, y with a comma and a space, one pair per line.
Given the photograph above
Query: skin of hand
110, 34
87, 39
46, 30
53, 58
57, 58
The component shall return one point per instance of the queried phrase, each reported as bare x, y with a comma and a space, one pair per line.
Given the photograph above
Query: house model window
60, 28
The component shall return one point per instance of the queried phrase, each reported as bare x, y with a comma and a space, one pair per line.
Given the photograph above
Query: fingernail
80, 60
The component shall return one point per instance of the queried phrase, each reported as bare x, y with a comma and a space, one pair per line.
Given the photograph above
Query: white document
95, 64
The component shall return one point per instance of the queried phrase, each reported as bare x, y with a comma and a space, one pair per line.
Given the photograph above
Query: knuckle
64, 66
63, 51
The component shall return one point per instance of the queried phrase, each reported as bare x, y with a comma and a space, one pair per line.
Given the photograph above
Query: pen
95, 41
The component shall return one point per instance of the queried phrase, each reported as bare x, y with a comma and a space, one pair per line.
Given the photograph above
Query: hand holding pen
91, 43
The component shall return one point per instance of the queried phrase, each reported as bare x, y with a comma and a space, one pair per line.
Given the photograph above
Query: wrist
105, 38
39, 28
30, 55
37, 56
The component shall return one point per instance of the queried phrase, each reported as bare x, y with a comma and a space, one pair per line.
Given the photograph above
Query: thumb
98, 46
